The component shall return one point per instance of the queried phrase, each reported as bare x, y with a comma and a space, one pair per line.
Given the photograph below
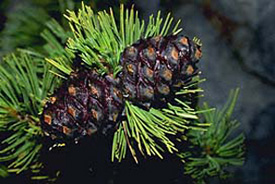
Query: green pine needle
148, 130
25, 81
101, 39
213, 150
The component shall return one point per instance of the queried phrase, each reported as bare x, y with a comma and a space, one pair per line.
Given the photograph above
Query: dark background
238, 51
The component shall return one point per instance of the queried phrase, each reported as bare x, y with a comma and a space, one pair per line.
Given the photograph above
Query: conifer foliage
106, 73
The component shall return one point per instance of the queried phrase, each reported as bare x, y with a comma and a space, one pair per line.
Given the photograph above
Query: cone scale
153, 69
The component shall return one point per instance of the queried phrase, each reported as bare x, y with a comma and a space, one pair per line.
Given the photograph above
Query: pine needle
218, 151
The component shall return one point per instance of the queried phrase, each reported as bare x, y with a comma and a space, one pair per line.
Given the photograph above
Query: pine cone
153, 70
81, 106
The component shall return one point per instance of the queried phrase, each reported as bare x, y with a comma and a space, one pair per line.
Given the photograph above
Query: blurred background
238, 52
